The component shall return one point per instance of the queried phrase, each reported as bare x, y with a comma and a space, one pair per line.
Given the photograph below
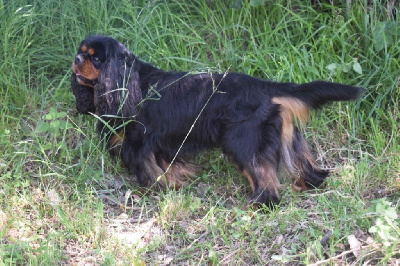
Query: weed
387, 226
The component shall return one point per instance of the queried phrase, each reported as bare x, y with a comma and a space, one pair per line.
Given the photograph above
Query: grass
64, 201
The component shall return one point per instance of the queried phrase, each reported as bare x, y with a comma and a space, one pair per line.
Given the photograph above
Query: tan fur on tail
291, 107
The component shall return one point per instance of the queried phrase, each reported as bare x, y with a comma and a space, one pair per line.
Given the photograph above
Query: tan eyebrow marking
84, 48
91, 51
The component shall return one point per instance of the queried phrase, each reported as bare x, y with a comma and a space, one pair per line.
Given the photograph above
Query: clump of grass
63, 200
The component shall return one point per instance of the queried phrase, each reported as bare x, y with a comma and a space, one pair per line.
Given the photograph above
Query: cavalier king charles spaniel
153, 119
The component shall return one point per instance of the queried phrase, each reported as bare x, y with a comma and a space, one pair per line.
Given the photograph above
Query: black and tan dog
153, 118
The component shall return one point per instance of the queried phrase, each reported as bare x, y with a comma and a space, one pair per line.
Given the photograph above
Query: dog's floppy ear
118, 90
84, 96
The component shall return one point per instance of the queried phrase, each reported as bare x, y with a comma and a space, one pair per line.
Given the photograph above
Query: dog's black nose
78, 59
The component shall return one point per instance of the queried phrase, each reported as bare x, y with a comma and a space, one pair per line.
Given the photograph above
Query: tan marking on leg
153, 173
177, 173
246, 174
300, 185
115, 143
268, 178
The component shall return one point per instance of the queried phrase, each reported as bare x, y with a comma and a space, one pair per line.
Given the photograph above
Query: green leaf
373, 229
42, 127
63, 124
55, 124
357, 67
52, 114
391, 213
384, 34
60, 114
331, 67
378, 36
347, 67
48, 146
393, 27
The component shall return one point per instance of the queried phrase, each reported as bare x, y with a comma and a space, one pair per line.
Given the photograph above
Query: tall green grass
63, 200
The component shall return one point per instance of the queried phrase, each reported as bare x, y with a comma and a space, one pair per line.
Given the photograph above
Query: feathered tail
295, 101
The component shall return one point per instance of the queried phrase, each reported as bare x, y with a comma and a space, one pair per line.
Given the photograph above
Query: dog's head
104, 79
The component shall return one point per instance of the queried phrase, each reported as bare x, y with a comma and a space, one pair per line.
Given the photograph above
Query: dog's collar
91, 82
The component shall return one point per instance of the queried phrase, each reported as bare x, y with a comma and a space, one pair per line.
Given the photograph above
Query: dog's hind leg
264, 183
254, 148
299, 162
295, 153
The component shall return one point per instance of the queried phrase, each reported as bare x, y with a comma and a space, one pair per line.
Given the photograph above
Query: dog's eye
95, 59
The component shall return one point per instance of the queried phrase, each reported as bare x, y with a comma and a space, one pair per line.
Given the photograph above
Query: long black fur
162, 116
